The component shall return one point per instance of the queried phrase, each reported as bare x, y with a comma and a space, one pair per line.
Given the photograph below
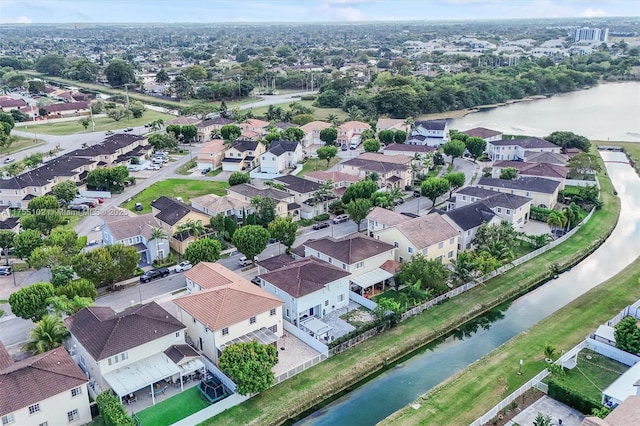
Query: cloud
344, 1
590, 13
16, 20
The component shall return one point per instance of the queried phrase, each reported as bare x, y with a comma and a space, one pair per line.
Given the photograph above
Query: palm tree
373, 176
158, 234
499, 250
194, 227
572, 213
333, 119
556, 219
354, 113
463, 268
48, 334
395, 194
409, 122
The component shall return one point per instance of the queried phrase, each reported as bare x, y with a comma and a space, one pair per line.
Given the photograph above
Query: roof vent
155, 331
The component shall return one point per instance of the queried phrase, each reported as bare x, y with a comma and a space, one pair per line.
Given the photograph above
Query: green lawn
318, 113
592, 375
102, 124
185, 188
21, 143
314, 164
184, 169
339, 372
173, 409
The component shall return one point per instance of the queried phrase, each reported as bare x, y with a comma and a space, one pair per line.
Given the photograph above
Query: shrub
580, 402
540, 214
112, 411
308, 98
305, 222
321, 217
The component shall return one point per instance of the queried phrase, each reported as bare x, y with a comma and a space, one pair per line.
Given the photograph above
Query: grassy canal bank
311, 387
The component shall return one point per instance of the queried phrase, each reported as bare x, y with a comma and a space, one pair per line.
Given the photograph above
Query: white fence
577, 182
534, 382
218, 373
367, 303
612, 352
299, 369
306, 338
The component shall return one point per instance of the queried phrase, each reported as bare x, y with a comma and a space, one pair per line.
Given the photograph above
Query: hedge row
570, 397
112, 411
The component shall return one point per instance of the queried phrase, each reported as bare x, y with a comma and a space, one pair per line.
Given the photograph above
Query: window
274, 328
450, 254
288, 313
178, 334
424, 251
410, 250
395, 244
75, 392
451, 240
34, 408
330, 260
469, 232
252, 320
194, 320
44, 424
341, 298
440, 245
360, 265
8, 419
124, 355
508, 211
73, 415
439, 258
225, 331
499, 210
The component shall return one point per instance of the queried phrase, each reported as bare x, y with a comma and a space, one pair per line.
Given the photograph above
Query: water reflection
483, 322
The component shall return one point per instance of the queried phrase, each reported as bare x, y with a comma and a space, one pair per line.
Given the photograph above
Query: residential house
508, 207
351, 131
312, 133
339, 180
543, 170
285, 203
261, 127
429, 132
276, 262
483, 133
212, 205
392, 170
379, 218
117, 148
125, 351
136, 231
394, 124
8, 103
626, 413
48, 388
211, 154
224, 308
430, 236
467, 219
283, 125
546, 157
211, 126
543, 192
242, 155
67, 109
358, 254
410, 150
172, 214
309, 288
515, 149
8, 222
281, 155
183, 120
304, 191
18, 190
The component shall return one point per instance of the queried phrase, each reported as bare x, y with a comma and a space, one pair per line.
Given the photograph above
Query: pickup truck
153, 274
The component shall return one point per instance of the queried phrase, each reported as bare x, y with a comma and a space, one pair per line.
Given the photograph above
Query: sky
206, 11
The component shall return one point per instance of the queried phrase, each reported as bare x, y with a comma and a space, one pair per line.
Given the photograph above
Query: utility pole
239, 95
126, 94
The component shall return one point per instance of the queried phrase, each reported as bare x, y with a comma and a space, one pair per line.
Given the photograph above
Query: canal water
402, 384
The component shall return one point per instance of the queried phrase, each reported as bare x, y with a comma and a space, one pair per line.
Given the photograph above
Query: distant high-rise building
591, 34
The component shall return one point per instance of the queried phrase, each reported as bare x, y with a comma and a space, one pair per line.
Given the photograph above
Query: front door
310, 312
200, 343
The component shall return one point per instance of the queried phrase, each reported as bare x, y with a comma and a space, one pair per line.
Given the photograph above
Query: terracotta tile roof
386, 217
376, 156
182, 121
390, 123
254, 122
229, 304
481, 132
104, 333
5, 359
67, 106
35, 379
627, 413
211, 275
352, 125
213, 146
122, 227
315, 125
349, 249
177, 353
304, 276
427, 230
391, 266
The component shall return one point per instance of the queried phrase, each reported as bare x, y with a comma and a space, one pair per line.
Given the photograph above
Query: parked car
341, 218
183, 266
109, 132
79, 207
320, 225
100, 200
153, 274
345, 147
147, 124
139, 207
417, 193
129, 129
205, 171
6, 270
90, 203
398, 201
243, 261
153, 167
9, 160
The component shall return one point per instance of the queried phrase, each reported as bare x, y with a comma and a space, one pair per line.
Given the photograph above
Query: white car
153, 167
183, 266
9, 160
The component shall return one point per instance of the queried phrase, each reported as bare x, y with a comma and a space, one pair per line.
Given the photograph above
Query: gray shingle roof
526, 143
304, 276
244, 145
278, 148
349, 249
251, 191
298, 184
525, 183
431, 124
470, 216
171, 211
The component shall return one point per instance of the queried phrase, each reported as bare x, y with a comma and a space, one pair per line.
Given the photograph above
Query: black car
417, 193
320, 225
153, 274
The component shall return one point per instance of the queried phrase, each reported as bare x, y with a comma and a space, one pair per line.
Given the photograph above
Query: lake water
606, 112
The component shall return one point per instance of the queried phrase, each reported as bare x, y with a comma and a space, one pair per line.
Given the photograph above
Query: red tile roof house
67, 109
48, 388
128, 351
225, 308
481, 132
